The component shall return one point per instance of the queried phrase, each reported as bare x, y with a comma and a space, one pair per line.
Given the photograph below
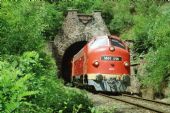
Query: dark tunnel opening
66, 60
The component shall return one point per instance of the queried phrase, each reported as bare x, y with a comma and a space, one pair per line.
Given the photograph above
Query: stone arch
62, 44
75, 40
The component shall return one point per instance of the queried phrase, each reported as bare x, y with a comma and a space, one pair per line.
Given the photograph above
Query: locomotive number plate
111, 58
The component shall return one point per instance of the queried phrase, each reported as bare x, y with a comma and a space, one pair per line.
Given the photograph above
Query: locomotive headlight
112, 48
126, 64
96, 63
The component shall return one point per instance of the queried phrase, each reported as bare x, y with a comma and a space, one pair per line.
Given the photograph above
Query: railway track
151, 105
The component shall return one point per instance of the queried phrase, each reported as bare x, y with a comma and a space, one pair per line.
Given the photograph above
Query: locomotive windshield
98, 42
117, 43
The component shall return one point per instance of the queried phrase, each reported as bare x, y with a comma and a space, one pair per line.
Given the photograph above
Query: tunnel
67, 58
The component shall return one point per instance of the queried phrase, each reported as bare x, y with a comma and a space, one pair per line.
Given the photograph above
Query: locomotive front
108, 64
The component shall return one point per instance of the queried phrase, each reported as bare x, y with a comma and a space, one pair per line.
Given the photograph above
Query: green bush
53, 95
122, 18
30, 84
157, 58
24, 23
158, 66
14, 89
84, 6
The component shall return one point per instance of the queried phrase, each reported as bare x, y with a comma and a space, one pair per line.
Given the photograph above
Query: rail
151, 105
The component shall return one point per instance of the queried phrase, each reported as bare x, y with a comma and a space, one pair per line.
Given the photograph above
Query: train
103, 64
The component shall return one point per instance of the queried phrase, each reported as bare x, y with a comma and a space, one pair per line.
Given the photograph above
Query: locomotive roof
108, 36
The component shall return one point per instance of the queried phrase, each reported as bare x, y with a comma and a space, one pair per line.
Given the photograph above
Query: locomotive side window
117, 43
98, 42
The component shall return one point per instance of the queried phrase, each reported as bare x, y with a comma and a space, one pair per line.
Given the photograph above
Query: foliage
158, 35
14, 89
122, 18
22, 25
158, 68
84, 6
104, 109
53, 95
30, 85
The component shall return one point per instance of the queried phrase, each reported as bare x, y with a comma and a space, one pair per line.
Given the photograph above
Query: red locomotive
103, 63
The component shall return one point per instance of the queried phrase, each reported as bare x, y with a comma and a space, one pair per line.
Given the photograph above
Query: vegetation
28, 79
29, 84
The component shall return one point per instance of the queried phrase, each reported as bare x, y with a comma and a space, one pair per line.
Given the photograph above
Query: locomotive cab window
117, 43
98, 42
